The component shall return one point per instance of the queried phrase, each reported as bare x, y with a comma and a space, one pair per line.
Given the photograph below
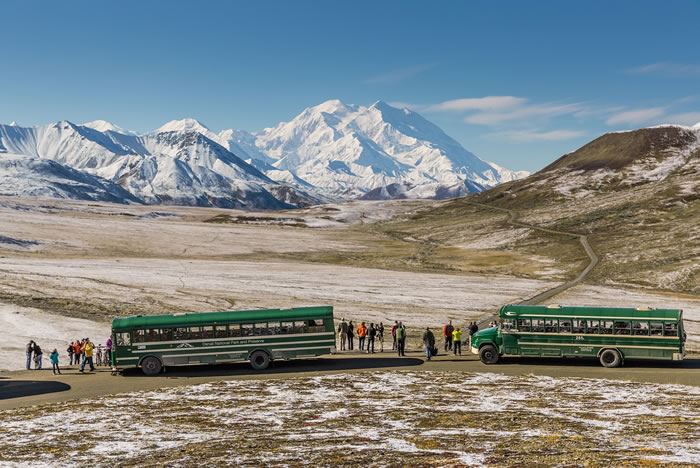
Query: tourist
30, 353
361, 334
108, 347
457, 340
380, 336
447, 334
343, 332
70, 350
393, 334
351, 335
429, 342
77, 346
38, 354
371, 334
401, 339
54, 361
87, 352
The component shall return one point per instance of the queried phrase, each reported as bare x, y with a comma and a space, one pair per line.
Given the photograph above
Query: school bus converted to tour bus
610, 334
259, 336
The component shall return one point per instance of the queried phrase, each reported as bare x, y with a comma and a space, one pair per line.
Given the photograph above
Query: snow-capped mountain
330, 152
347, 151
176, 167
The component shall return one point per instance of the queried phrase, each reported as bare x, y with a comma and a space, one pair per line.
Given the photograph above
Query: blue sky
517, 83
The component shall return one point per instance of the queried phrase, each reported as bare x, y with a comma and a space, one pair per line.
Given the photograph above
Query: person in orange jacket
361, 334
447, 333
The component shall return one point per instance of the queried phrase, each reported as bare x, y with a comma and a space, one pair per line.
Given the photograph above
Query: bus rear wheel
610, 358
259, 360
151, 365
488, 354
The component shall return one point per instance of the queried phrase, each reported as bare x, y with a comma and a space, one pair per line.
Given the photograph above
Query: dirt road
27, 388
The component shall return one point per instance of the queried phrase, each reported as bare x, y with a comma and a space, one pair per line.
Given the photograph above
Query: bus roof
510, 311
212, 318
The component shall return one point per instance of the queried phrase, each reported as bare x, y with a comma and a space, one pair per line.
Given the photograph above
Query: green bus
260, 336
610, 334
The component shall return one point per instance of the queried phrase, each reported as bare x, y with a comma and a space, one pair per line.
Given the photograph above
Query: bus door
509, 335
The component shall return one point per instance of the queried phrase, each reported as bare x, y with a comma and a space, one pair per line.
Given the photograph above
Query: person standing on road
371, 334
38, 355
401, 339
429, 342
473, 328
70, 352
108, 348
77, 346
457, 340
54, 361
361, 334
447, 333
343, 332
380, 336
30, 352
393, 334
351, 335
87, 350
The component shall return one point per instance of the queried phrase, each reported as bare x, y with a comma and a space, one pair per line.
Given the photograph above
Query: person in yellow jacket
87, 352
457, 340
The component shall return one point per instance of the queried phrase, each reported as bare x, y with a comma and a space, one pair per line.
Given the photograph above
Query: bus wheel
488, 354
259, 360
610, 358
151, 365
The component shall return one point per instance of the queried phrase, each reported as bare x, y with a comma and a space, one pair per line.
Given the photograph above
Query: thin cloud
636, 117
487, 103
666, 68
523, 112
534, 135
396, 76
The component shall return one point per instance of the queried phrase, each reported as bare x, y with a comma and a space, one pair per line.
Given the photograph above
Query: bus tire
151, 365
259, 360
610, 358
488, 354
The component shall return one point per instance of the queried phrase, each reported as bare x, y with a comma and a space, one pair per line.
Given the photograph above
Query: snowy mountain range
331, 152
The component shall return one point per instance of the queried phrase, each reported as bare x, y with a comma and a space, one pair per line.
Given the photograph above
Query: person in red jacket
447, 333
361, 334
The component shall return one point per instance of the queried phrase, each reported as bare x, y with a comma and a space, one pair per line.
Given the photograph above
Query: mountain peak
183, 125
104, 126
14, 124
333, 106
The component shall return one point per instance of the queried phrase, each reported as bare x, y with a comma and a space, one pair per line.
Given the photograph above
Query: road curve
549, 293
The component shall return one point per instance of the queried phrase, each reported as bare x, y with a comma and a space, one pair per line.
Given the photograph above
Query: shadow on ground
23, 388
593, 362
282, 367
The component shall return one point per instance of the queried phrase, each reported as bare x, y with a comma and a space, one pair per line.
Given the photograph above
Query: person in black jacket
37, 356
351, 335
30, 352
371, 334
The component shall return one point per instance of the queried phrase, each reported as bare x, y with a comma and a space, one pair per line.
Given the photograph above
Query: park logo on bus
184, 345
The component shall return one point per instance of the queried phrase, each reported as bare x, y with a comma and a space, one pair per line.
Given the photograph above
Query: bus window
592, 327
220, 331
537, 325
550, 326
139, 336
193, 333
261, 329
622, 328
151, 335
181, 334
670, 329
166, 334
606, 327
247, 329
299, 327
123, 339
287, 328
316, 326
656, 328
508, 324
208, 332
234, 330
579, 326
274, 328
564, 326
524, 325
640, 328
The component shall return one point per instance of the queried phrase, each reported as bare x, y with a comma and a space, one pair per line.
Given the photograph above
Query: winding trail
549, 293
